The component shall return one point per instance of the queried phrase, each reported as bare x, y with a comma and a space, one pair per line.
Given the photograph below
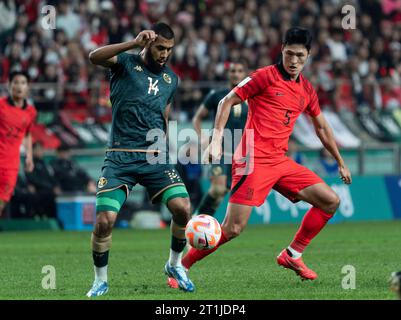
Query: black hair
297, 35
240, 60
164, 30
15, 73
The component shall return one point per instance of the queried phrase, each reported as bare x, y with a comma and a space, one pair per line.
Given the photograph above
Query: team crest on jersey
102, 182
138, 68
167, 78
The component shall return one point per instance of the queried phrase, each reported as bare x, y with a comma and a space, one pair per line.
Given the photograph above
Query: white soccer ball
203, 232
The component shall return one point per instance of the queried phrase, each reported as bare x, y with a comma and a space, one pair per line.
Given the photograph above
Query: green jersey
238, 113
139, 99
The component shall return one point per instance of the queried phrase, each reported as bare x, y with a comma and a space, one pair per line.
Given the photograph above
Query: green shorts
222, 169
126, 169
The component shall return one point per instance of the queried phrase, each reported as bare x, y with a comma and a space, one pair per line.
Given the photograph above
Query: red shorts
286, 177
8, 179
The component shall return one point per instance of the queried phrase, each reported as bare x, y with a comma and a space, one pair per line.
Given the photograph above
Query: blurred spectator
208, 35
23, 202
326, 165
44, 184
69, 175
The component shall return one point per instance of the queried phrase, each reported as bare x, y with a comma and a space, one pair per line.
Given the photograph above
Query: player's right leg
215, 195
108, 204
235, 221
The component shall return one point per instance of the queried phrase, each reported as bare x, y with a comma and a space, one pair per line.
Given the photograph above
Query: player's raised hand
213, 152
345, 174
145, 38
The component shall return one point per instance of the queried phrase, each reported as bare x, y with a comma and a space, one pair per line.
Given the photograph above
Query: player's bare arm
200, 114
29, 166
106, 56
214, 150
325, 134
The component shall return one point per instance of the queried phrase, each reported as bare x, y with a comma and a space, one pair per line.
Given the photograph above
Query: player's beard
152, 64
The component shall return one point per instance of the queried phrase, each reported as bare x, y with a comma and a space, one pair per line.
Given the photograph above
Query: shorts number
288, 119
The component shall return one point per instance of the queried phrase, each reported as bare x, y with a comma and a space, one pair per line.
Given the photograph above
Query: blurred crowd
349, 68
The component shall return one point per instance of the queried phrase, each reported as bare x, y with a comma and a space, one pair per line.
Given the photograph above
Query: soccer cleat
99, 288
297, 265
179, 274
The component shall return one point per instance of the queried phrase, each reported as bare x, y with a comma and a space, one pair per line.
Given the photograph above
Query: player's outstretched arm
200, 113
106, 56
326, 136
214, 150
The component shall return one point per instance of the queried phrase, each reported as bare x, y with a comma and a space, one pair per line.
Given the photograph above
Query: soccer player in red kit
276, 95
16, 118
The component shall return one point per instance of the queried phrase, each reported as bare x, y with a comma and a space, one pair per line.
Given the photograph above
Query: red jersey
15, 123
275, 102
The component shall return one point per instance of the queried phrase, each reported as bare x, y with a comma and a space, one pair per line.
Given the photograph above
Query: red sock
314, 220
194, 255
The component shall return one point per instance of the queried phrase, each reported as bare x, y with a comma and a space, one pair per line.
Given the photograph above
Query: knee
182, 212
332, 203
217, 191
232, 231
104, 225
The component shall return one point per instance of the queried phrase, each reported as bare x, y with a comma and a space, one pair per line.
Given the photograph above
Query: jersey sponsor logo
102, 182
153, 86
279, 94
244, 82
138, 68
166, 78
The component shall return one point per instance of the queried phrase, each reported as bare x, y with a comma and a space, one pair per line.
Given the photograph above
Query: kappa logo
166, 78
102, 182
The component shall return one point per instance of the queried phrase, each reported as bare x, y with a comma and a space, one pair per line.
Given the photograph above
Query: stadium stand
357, 73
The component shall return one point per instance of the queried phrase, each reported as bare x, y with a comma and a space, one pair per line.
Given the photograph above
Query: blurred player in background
16, 119
142, 88
221, 173
277, 95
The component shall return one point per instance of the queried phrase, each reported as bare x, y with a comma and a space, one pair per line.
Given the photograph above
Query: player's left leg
303, 184
177, 201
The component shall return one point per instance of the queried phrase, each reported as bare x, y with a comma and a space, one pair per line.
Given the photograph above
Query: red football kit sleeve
14, 125
259, 164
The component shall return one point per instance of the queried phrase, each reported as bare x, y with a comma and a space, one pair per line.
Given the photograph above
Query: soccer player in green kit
142, 87
220, 173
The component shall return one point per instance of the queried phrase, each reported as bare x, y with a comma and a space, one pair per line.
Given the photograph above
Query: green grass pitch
242, 269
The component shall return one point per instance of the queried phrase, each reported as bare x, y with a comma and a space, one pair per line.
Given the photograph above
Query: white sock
175, 258
100, 273
295, 253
